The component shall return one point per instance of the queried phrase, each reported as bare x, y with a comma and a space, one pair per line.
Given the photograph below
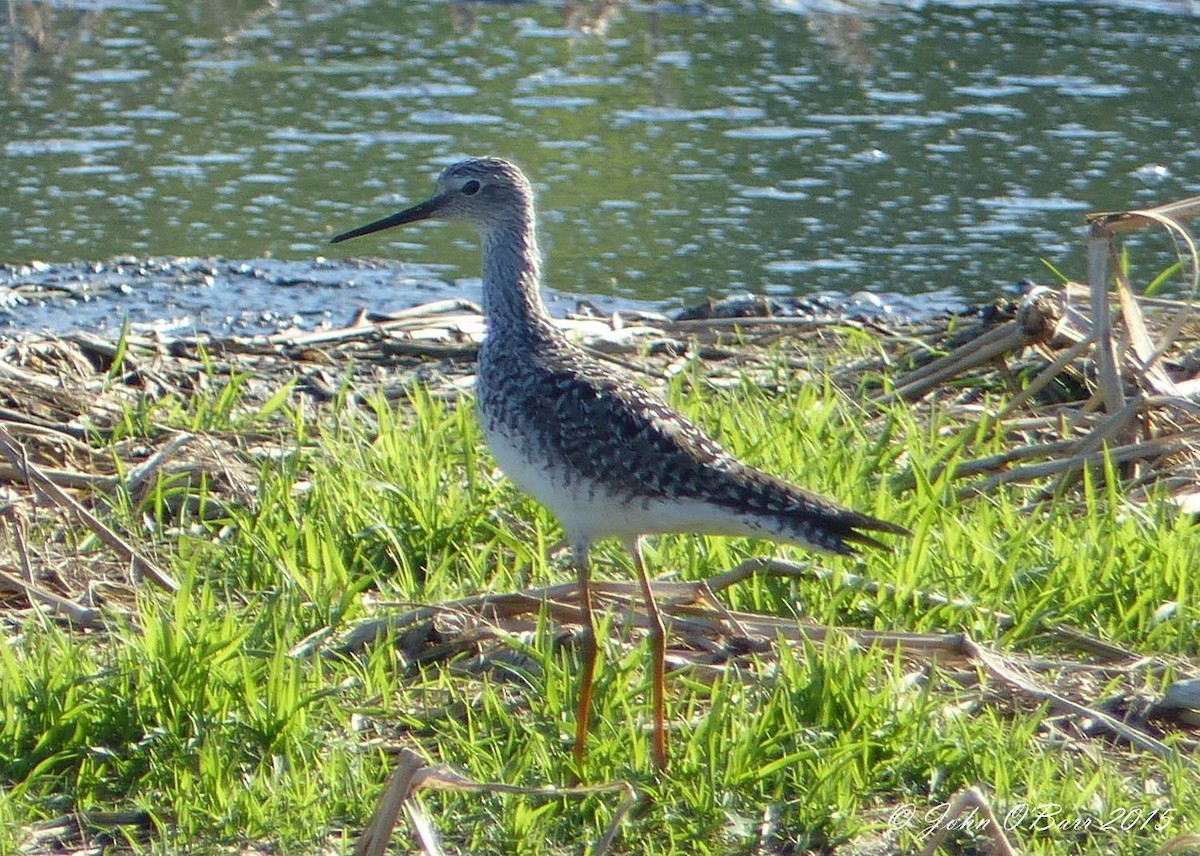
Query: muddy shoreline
258, 297
62, 394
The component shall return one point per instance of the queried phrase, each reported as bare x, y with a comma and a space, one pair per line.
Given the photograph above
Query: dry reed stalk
413, 774
36, 479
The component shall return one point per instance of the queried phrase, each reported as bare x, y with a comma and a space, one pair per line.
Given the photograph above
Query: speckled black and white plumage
611, 459
607, 457
604, 454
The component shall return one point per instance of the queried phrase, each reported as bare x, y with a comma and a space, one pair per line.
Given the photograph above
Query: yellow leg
587, 650
658, 653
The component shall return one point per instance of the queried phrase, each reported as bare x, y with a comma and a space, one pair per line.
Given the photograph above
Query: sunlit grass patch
195, 708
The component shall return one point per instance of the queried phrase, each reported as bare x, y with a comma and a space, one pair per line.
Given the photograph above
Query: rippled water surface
681, 150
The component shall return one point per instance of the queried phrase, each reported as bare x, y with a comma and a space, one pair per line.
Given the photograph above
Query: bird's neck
512, 297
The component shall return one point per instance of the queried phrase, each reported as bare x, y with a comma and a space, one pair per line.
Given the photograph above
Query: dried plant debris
1107, 376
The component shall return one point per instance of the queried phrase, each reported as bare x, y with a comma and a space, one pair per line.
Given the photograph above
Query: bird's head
487, 193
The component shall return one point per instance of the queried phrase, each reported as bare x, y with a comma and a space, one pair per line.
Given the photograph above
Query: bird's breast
583, 505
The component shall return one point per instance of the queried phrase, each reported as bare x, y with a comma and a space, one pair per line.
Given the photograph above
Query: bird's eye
471, 188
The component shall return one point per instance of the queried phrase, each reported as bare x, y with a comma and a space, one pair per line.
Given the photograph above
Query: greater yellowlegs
603, 454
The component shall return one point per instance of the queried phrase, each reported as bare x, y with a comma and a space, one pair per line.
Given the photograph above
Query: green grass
197, 714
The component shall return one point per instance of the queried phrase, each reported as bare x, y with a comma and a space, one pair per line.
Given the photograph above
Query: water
681, 150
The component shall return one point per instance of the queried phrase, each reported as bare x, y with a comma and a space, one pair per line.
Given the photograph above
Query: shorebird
607, 457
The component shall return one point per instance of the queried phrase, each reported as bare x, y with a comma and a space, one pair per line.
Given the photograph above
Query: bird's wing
606, 427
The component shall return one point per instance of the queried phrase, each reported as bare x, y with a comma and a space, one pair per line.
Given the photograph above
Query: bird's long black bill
422, 211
